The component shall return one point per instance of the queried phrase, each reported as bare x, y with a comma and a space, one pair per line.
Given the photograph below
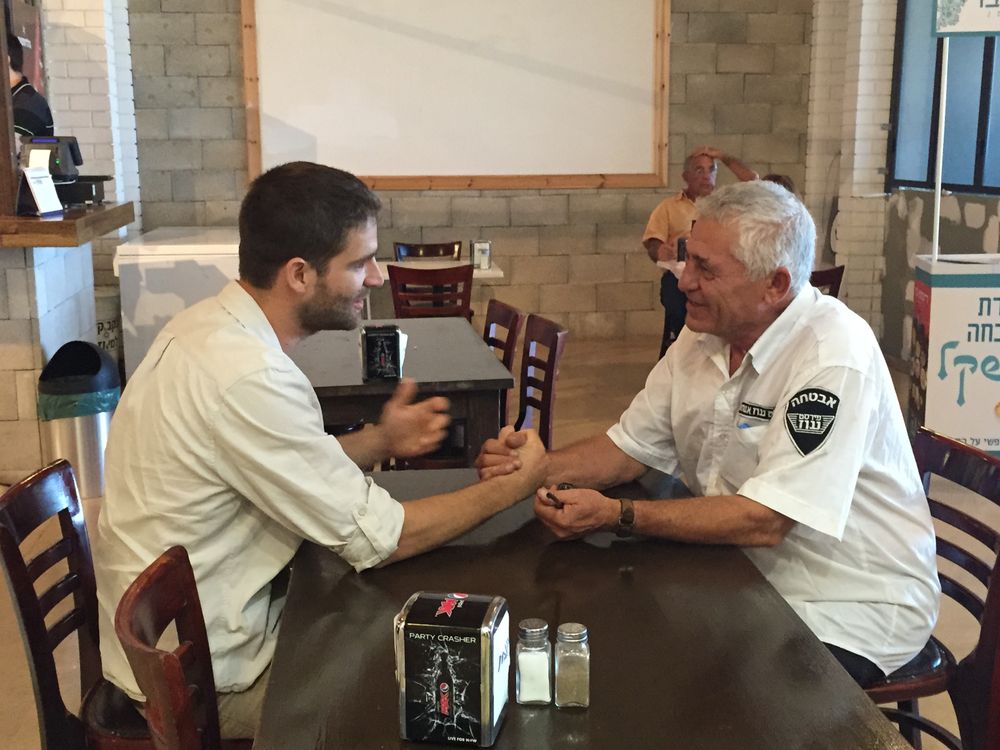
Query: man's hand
533, 460
413, 429
582, 511
710, 151
499, 455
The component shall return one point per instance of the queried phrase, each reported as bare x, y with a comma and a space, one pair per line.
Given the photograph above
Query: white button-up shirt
808, 425
218, 445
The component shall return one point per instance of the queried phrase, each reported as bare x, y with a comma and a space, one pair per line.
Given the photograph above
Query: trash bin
77, 393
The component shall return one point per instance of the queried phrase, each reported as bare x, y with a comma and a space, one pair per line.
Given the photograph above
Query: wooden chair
107, 718
543, 346
935, 670
415, 250
431, 292
828, 280
179, 685
915, 723
503, 326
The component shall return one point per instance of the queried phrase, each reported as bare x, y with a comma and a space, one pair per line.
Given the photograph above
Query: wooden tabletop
442, 354
691, 647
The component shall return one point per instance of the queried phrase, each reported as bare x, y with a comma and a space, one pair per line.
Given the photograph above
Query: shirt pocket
739, 462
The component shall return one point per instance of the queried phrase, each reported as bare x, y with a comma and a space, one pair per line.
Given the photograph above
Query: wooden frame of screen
655, 178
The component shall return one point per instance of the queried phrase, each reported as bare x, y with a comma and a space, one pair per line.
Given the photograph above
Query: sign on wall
967, 17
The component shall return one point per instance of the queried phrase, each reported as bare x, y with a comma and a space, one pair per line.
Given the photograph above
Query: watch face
380, 353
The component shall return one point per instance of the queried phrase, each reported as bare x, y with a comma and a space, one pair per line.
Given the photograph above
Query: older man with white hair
775, 406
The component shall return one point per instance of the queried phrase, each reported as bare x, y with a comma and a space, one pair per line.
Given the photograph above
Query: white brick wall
850, 83
89, 64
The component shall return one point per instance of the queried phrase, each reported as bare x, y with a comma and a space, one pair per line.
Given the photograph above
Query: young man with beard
218, 442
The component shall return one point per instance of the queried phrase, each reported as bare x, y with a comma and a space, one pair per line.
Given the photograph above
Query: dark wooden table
446, 356
691, 647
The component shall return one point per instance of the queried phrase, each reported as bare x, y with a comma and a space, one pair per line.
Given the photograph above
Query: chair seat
110, 713
925, 674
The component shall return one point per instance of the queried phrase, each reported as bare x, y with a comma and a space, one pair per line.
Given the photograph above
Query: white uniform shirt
218, 445
808, 425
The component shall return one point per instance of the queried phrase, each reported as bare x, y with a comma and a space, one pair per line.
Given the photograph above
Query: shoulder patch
809, 418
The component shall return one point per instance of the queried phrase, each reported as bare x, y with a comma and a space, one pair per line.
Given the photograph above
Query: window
972, 118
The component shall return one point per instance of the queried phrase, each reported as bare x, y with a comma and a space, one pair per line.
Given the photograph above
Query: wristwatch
626, 519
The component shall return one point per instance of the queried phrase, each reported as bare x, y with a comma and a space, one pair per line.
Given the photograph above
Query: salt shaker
572, 666
534, 662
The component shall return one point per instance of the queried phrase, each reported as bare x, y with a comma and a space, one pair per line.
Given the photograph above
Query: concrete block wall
739, 81
89, 65
187, 67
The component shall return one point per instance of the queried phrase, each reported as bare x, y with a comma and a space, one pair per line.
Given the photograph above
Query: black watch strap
626, 518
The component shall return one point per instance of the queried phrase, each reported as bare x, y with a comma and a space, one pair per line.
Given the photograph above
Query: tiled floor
597, 381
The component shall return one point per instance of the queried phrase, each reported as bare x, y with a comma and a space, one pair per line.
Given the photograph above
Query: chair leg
910, 733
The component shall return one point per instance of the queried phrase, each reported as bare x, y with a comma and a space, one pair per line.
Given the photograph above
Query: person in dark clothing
31, 112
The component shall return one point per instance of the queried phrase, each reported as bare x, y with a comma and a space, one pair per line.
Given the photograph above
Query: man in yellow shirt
673, 218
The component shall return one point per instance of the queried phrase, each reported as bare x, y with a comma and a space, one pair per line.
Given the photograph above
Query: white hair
772, 226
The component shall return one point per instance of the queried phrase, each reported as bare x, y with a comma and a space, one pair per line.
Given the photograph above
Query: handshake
511, 451
568, 512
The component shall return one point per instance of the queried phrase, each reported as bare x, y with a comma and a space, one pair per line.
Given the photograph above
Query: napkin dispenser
452, 667
381, 353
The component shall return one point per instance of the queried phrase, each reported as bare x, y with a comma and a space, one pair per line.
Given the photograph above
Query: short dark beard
325, 317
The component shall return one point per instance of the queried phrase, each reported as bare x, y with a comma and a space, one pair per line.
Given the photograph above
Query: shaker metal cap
570, 632
532, 629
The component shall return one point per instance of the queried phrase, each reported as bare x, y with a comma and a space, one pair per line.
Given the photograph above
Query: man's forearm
742, 171
725, 519
653, 246
436, 520
365, 447
594, 462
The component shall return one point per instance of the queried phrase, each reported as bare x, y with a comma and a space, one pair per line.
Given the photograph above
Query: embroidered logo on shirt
809, 418
756, 411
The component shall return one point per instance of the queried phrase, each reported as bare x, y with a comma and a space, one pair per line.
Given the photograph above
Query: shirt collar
769, 344
238, 303
19, 85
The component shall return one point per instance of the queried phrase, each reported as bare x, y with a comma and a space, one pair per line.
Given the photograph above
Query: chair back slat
828, 280
179, 685
968, 524
431, 292
962, 594
979, 473
58, 591
414, 250
965, 560
61, 628
540, 372
500, 332
43, 561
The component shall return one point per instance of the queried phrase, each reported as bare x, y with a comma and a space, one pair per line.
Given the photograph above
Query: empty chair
107, 717
416, 250
935, 669
179, 684
431, 292
543, 346
503, 326
828, 280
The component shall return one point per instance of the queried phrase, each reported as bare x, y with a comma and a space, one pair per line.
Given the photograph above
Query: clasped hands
568, 513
